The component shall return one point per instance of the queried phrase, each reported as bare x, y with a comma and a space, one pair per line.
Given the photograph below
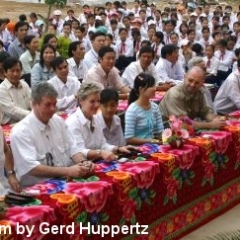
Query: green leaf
166, 199
133, 219
148, 201
79, 180
204, 181
212, 181
139, 203
176, 173
152, 194
103, 217
122, 221
175, 199
133, 193
82, 217
93, 179
212, 156
236, 166
192, 174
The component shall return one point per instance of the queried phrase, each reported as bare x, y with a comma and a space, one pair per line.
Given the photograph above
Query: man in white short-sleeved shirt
42, 145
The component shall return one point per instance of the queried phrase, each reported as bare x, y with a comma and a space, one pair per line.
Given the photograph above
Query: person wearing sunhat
40, 28
57, 21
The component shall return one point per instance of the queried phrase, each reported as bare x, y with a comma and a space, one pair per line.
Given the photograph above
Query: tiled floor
228, 221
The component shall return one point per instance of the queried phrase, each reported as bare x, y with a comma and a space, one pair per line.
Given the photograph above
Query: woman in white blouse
86, 127
31, 56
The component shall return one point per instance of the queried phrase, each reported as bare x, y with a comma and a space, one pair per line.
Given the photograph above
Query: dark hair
142, 80
1, 43
28, 39
237, 51
57, 61
160, 36
81, 28
211, 46
44, 47
146, 43
146, 49
33, 15
205, 29
222, 42
168, 50
135, 31
113, 21
3, 56
97, 34
102, 51
109, 35
108, 94
11, 62
67, 24
122, 30
214, 34
183, 24
238, 63
198, 49
73, 47
22, 17
19, 25
47, 38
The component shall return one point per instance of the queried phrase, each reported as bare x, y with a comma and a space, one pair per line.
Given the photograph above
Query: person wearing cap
57, 21
83, 16
91, 57
168, 67
227, 99
17, 47
40, 28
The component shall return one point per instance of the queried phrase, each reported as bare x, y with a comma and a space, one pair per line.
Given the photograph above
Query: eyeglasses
49, 159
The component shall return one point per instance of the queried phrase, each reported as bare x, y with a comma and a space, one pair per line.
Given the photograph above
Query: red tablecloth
173, 192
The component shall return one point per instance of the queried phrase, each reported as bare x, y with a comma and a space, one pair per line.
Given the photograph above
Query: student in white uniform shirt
76, 52
57, 21
211, 63
91, 57
86, 128
227, 99
42, 145
168, 68
143, 64
157, 45
66, 85
225, 60
110, 122
206, 38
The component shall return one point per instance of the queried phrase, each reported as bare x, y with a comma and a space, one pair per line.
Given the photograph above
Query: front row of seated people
44, 146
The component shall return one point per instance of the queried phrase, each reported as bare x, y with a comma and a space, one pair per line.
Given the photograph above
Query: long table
172, 191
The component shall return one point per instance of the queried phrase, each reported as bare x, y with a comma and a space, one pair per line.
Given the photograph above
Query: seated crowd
114, 53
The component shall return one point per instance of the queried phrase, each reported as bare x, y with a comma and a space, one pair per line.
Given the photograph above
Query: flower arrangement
180, 128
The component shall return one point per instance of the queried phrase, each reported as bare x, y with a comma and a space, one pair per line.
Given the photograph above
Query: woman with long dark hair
143, 120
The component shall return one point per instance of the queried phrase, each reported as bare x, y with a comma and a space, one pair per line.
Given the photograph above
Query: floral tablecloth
172, 191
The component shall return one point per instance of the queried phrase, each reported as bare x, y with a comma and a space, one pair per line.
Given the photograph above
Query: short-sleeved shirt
98, 75
31, 140
179, 102
143, 123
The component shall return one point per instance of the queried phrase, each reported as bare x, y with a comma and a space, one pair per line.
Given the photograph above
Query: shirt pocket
42, 158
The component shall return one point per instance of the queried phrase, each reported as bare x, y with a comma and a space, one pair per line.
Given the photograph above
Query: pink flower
176, 125
172, 118
167, 133
184, 133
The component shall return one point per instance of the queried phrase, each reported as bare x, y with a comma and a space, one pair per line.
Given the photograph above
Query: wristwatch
10, 172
